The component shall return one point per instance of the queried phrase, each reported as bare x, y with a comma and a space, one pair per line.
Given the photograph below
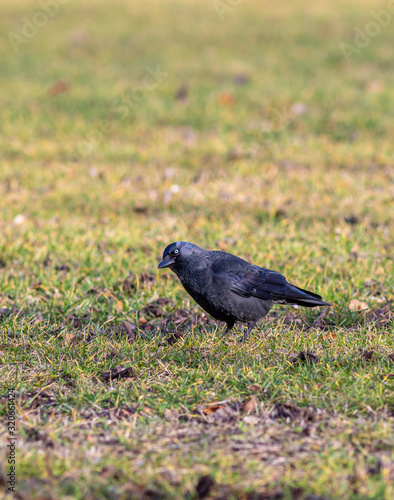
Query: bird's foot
245, 335
225, 333
243, 338
227, 330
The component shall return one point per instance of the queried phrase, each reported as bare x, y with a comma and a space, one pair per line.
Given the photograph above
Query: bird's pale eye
176, 251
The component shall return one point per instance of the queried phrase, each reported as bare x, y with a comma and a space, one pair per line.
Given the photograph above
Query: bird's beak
167, 261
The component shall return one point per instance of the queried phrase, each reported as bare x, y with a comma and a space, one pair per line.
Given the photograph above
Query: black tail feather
305, 298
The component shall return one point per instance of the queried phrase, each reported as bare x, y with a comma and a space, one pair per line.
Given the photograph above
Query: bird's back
209, 281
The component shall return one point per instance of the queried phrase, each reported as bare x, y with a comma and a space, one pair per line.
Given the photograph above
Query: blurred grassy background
259, 137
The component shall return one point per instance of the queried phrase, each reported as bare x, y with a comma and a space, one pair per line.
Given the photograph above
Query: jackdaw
229, 288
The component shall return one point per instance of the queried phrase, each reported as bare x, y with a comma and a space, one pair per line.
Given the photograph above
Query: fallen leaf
172, 339
209, 410
226, 99
156, 307
119, 305
148, 410
47, 261
130, 328
128, 285
182, 93
375, 86
250, 406
368, 355
222, 245
119, 372
241, 79
285, 410
110, 471
69, 337
62, 267
329, 335
58, 87
204, 485
254, 387
77, 321
355, 250
352, 219
357, 305
146, 278
251, 420
305, 357
90, 336
142, 321
140, 209
170, 415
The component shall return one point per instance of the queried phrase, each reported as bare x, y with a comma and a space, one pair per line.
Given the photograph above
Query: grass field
235, 125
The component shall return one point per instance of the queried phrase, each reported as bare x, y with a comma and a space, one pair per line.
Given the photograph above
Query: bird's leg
227, 331
250, 328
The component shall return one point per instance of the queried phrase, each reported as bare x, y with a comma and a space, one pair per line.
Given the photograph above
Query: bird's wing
248, 280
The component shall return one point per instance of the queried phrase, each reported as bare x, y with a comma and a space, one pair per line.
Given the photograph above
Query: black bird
229, 288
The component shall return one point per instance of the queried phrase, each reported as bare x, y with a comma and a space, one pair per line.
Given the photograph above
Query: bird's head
177, 253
